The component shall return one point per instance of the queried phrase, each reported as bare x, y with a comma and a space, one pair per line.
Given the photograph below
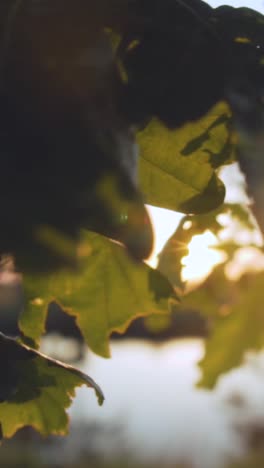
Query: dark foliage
62, 137
68, 101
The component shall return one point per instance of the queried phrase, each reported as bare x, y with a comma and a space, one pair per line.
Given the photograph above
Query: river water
153, 412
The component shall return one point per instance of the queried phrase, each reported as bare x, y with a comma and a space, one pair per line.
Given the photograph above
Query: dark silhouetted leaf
36, 390
63, 137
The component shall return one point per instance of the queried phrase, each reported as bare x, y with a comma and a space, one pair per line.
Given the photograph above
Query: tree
84, 90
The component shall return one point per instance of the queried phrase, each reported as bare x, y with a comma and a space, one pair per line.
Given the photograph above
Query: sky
254, 4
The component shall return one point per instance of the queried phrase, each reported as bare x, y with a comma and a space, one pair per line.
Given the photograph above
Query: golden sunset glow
201, 258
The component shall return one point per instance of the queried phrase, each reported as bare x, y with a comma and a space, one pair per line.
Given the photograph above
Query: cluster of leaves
232, 308
81, 94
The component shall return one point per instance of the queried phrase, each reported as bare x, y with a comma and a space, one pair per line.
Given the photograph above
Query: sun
201, 258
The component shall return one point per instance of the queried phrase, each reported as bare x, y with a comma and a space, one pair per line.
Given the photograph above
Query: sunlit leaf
212, 298
240, 330
157, 323
36, 390
177, 166
106, 294
171, 256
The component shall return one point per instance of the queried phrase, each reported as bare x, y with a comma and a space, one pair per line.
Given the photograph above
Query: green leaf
158, 323
32, 319
213, 297
36, 390
177, 166
212, 196
242, 329
171, 256
107, 293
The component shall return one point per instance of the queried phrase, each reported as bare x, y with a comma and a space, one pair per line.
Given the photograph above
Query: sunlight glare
164, 224
201, 258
